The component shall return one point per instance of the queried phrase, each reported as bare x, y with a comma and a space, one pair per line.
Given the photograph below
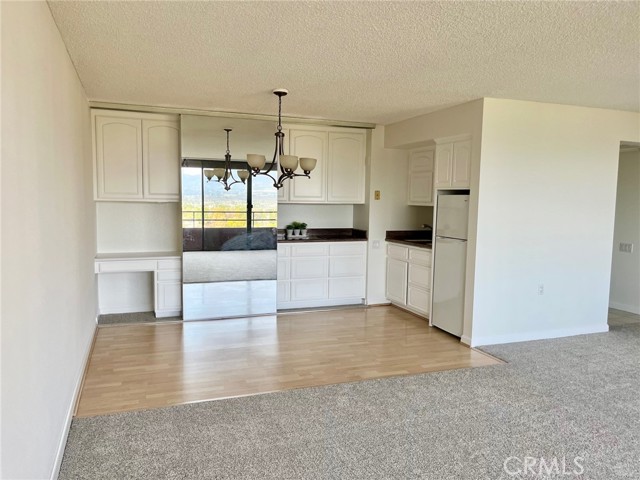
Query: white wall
625, 269
48, 240
388, 172
316, 216
138, 227
546, 215
465, 119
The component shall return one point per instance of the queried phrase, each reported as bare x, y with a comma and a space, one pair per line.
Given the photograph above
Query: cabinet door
420, 191
444, 158
161, 160
309, 143
420, 188
346, 167
419, 276
118, 158
418, 299
168, 298
397, 281
461, 168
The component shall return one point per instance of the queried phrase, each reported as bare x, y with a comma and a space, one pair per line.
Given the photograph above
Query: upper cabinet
339, 176
420, 187
136, 156
309, 143
346, 167
453, 165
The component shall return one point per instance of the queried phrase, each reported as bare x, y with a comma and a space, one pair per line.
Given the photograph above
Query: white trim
624, 307
466, 340
212, 113
538, 335
72, 406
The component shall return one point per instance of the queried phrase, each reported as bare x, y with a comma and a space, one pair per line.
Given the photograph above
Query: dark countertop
413, 238
412, 243
330, 235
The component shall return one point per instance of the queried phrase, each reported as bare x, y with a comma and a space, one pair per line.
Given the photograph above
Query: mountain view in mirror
229, 236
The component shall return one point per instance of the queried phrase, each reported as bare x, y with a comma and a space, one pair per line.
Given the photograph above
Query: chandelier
288, 163
225, 175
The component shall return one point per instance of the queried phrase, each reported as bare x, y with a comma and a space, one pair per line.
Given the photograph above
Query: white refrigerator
450, 261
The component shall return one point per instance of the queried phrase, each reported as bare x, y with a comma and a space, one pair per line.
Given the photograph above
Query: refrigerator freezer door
452, 216
448, 285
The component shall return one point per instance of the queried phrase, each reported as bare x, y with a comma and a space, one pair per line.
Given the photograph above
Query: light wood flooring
620, 317
144, 366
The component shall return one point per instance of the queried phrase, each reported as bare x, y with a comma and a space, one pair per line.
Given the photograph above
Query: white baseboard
625, 308
72, 407
538, 335
466, 340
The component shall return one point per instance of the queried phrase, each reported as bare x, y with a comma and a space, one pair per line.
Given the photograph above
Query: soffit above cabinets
377, 62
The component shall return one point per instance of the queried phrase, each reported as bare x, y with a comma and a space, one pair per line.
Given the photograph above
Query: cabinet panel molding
346, 167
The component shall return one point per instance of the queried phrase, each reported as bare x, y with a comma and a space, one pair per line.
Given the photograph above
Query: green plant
290, 226
303, 226
296, 225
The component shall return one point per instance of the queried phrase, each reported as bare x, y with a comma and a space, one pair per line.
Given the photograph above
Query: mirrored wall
229, 236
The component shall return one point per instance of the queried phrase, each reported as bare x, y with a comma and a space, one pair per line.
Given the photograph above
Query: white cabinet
346, 167
321, 274
409, 278
420, 188
339, 176
136, 156
309, 143
453, 165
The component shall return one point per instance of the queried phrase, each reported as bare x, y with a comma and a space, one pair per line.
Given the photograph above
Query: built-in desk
167, 275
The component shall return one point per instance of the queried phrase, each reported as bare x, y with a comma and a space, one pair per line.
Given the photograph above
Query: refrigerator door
452, 216
448, 285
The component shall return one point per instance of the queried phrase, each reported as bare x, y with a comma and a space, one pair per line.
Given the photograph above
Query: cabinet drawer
309, 267
284, 250
347, 248
353, 287
310, 250
315, 289
419, 275
397, 252
168, 275
126, 266
173, 264
353, 266
420, 256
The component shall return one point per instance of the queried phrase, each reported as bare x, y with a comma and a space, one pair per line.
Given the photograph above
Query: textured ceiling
362, 61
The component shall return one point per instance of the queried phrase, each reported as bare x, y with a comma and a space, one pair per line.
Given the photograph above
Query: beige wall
388, 172
465, 119
547, 192
48, 240
625, 268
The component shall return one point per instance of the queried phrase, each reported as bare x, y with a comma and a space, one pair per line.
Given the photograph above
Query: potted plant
289, 230
296, 228
303, 229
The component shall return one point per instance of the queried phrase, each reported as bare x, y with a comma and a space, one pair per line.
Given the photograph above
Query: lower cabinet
409, 278
168, 299
321, 274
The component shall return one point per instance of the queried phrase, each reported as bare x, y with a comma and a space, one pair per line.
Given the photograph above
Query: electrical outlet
376, 244
626, 247
541, 289
376, 195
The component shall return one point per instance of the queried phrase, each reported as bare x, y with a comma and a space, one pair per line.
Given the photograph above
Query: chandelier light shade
288, 164
225, 175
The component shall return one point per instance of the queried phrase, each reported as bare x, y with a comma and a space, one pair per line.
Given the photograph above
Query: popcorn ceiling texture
370, 61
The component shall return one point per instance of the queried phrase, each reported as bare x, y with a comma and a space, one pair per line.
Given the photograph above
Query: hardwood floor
144, 366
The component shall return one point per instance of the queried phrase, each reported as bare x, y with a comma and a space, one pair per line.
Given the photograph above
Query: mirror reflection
229, 242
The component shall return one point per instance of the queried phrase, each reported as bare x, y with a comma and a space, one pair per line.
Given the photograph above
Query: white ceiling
362, 61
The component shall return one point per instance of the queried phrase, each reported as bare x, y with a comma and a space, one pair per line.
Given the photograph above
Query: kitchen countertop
412, 243
330, 235
413, 238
